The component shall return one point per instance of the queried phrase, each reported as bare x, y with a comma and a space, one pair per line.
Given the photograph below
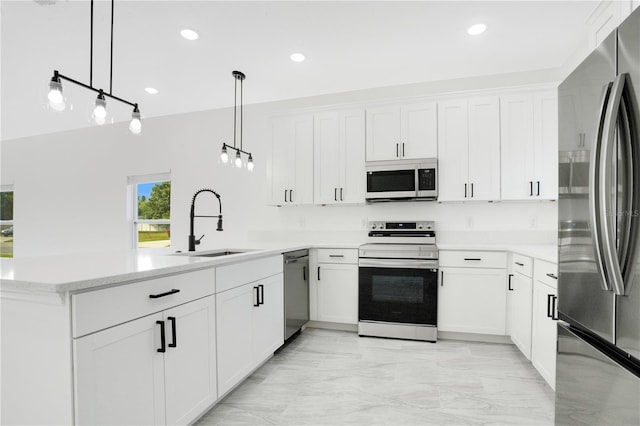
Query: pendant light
224, 155
56, 97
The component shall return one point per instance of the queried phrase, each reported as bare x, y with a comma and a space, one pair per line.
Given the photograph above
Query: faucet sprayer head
219, 224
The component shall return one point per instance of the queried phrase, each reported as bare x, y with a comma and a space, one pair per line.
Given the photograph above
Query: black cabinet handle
174, 343
336, 255
341, 194
549, 312
519, 264
256, 302
335, 194
403, 149
552, 276
471, 190
318, 273
473, 258
168, 293
465, 190
162, 341
260, 294
304, 273
554, 300
291, 195
531, 188
510, 288
538, 182
285, 195
441, 278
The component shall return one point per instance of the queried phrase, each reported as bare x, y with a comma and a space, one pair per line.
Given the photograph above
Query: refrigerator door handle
595, 218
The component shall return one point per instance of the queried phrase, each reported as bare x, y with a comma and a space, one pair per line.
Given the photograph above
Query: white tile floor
335, 377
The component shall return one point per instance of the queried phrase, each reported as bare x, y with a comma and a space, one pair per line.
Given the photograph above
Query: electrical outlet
469, 221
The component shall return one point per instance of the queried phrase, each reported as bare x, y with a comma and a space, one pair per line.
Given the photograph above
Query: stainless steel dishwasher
296, 291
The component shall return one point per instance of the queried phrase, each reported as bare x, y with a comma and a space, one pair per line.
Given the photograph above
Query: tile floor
335, 377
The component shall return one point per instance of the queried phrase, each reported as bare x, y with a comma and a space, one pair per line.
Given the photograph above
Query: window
6, 221
151, 210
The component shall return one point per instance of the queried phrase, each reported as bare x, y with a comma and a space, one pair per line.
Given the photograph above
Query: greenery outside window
151, 210
6, 221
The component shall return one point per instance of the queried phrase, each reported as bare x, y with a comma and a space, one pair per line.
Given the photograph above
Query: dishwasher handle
301, 259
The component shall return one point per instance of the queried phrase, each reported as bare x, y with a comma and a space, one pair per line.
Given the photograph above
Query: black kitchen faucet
192, 238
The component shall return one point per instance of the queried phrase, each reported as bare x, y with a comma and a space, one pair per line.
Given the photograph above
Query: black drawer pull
510, 288
552, 276
519, 264
441, 278
549, 311
168, 293
554, 300
163, 347
304, 273
336, 255
473, 258
257, 299
318, 273
260, 294
173, 344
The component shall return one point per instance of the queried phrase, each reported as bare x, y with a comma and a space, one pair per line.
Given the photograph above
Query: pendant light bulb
250, 163
223, 155
238, 159
136, 124
100, 110
56, 99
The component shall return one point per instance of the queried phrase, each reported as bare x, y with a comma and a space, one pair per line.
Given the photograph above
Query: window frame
132, 189
9, 188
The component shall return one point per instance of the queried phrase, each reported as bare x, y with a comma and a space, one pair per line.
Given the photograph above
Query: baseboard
473, 337
332, 326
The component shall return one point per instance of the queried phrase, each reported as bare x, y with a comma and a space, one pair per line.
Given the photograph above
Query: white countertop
69, 273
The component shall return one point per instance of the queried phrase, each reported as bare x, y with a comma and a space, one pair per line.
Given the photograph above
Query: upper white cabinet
529, 135
292, 160
338, 145
469, 149
606, 16
402, 131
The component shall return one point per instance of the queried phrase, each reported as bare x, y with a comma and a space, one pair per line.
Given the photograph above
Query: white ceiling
349, 45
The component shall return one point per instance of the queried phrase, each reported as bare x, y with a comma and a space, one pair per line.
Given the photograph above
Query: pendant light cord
111, 70
235, 97
241, 119
91, 50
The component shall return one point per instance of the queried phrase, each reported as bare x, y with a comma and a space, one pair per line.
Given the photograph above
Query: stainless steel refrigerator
598, 353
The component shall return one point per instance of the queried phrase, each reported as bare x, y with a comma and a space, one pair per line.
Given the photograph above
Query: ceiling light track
56, 97
224, 156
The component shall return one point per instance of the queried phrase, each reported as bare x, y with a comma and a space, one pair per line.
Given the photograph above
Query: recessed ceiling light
477, 29
151, 90
189, 34
297, 57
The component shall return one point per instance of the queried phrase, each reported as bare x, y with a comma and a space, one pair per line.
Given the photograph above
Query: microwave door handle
608, 186
595, 218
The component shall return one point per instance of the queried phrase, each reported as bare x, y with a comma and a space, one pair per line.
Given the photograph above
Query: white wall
70, 187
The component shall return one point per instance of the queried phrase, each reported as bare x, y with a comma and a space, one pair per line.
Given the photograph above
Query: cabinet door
484, 149
352, 141
546, 145
521, 313
419, 130
268, 318
517, 153
383, 133
472, 300
453, 154
327, 162
302, 188
119, 375
234, 334
190, 360
337, 293
544, 333
282, 160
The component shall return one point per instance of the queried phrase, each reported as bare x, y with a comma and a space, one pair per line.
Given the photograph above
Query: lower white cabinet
544, 327
250, 321
334, 286
521, 293
472, 300
158, 369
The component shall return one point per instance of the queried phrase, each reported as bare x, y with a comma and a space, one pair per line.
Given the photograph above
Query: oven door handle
398, 263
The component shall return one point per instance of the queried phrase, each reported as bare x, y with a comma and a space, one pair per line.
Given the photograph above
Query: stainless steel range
398, 281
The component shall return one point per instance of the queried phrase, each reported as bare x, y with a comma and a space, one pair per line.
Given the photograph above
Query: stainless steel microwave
399, 180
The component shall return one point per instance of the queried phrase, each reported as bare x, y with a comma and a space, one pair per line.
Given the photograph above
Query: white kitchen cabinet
334, 285
127, 374
338, 143
606, 16
521, 302
406, 131
292, 160
469, 149
529, 135
472, 292
544, 315
250, 321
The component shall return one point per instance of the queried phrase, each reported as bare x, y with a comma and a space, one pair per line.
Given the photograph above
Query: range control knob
420, 226
429, 227
381, 226
373, 226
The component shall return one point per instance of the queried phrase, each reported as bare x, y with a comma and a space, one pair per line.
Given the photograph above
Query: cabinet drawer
237, 274
99, 309
546, 272
473, 259
522, 264
338, 256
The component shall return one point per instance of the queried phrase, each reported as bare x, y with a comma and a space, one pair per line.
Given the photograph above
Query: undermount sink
216, 253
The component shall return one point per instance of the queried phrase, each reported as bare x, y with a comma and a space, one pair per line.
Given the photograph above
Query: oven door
398, 290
